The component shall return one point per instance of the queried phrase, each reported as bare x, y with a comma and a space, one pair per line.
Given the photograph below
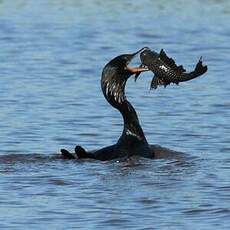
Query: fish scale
165, 69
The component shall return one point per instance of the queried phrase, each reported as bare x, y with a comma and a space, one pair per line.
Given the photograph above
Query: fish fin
136, 76
181, 68
170, 62
157, 81
154, 83
200, 68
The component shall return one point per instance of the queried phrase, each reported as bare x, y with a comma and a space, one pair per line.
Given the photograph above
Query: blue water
51, 57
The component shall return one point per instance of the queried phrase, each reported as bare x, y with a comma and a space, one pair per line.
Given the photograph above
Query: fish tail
200, 68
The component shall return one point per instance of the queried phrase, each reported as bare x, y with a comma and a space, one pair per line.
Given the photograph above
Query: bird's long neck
132, 126
114, 92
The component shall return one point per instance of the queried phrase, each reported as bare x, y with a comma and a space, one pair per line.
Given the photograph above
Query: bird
132, 140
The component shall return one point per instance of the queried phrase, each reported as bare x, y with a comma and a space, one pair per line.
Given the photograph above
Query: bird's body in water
132, 140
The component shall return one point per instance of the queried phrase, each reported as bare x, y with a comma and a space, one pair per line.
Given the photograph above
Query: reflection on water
52, 54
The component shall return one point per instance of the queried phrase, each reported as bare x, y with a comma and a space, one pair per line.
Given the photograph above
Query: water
52, 54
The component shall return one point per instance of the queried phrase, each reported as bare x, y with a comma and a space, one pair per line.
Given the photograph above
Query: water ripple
52, 55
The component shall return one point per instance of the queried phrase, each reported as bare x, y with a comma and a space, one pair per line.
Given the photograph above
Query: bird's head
115, 74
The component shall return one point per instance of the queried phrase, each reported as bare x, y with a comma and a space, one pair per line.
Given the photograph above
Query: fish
165, 70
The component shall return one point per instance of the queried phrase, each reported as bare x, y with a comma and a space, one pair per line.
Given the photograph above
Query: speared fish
165, 69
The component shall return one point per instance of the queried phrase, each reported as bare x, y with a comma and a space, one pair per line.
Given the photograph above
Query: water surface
52, 54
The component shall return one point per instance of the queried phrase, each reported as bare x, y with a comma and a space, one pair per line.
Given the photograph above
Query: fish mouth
137, 69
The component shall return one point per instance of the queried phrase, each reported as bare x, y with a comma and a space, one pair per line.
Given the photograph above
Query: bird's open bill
140, 69
137, 69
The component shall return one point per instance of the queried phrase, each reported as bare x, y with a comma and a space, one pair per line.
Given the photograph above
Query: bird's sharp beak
140, 50
141, 68
134, 70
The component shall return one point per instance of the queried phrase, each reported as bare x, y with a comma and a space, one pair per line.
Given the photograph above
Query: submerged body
132, 140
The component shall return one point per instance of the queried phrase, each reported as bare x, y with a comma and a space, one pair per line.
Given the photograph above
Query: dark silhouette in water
132, 141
